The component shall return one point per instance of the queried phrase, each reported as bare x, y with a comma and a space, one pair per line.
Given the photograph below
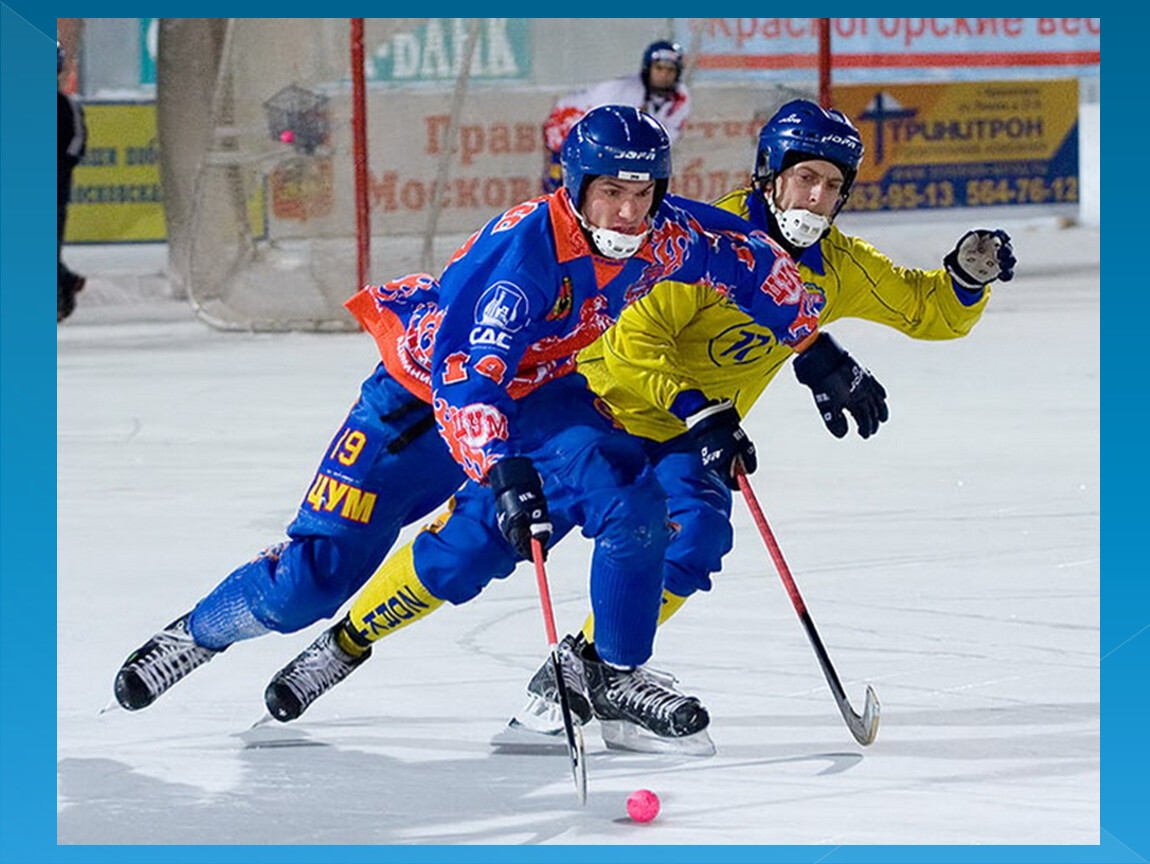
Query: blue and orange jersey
524, 294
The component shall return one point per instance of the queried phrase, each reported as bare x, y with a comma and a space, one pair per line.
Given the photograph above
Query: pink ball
643, 805
287, 136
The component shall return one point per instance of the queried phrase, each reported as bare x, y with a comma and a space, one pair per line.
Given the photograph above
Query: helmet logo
839, 139
633, 175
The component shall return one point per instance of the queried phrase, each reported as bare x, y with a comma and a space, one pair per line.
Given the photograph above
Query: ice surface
952, 562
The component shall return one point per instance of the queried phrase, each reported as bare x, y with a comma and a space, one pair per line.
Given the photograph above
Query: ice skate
543, 691
641, 710
541, 718
321, 666
158, 664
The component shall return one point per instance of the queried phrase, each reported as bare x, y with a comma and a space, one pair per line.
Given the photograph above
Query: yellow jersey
687, 337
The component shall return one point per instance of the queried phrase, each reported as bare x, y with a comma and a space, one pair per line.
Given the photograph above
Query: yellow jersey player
682, 351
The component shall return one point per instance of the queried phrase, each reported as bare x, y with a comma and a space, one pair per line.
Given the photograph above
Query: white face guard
613, 244
800, 228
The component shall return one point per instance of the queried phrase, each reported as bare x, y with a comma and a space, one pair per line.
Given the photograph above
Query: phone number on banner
980, 192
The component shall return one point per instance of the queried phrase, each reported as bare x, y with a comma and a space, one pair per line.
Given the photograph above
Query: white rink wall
127, 274
1090, 163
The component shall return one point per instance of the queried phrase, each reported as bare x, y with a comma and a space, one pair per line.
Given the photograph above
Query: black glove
979, 257
839, 382
715, 428
521, 509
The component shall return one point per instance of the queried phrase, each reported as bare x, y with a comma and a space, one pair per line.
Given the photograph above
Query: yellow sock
391, 599
343, 640
670, 605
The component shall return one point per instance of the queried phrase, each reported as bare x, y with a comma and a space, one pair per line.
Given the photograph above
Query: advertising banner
964, 145
433, 51
893, 49
116, 193
149, 37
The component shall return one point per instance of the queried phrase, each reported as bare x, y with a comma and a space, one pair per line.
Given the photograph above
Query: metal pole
359, 151
825, 62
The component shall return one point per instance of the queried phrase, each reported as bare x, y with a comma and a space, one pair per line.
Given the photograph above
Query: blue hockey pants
595, 476
385, 468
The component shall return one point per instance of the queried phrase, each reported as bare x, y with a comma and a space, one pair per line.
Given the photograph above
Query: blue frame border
27, 696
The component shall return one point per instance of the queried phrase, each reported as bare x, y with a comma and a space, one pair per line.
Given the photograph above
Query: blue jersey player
485, 354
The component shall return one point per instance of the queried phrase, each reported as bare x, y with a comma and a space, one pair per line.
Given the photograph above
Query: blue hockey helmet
616, 141
662, 51
802, 130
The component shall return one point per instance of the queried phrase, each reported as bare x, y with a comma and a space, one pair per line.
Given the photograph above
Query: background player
657, 89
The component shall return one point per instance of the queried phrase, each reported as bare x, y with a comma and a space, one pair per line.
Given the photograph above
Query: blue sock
224, 616
625, 600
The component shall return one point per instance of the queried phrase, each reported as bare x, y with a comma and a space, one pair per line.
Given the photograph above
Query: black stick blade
574, 732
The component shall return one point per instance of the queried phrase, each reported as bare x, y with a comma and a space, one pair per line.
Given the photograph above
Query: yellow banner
116, 195
964, 144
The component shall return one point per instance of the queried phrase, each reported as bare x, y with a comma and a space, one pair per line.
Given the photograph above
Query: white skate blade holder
622, 735
538, 728
540, 716
514, 738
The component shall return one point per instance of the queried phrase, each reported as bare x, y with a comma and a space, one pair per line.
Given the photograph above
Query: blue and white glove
980, 257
